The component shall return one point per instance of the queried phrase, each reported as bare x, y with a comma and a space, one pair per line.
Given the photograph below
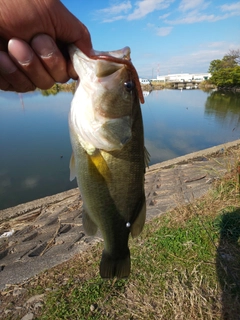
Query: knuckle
62, 78
27, 88
46, 85
4, 85
24, 86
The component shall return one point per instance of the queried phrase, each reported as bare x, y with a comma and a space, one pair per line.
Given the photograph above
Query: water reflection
177, 122
225, 108
35, 146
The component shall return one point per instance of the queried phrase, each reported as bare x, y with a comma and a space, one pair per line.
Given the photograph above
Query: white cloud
116, 18
187, 5
160, 31
116, 9
163, 31
142, 8
122, 11
164, 16
231, 7
190, 60
194, 17
193, 12
216, 44
150, 25
145, 7
114, 12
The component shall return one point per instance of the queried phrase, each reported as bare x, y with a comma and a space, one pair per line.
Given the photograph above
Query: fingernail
21, 51
43, 45
6, 64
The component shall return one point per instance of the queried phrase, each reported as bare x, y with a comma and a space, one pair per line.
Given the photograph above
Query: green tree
215, 66
226, 72
236, 75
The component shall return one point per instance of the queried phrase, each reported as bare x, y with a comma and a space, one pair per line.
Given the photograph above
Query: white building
159, 79
180, 77
144, 81
184, 77
198, 77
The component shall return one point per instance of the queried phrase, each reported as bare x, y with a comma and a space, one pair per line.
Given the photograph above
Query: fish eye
129, 85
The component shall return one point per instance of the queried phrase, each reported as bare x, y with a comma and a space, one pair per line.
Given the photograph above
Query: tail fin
111, 267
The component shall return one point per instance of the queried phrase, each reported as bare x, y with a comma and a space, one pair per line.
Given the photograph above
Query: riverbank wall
43, 233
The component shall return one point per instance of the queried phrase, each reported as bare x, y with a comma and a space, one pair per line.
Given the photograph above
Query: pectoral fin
101, 165
137, 226
72, 168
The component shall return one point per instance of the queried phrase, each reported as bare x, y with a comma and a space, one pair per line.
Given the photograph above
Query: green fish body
108, 160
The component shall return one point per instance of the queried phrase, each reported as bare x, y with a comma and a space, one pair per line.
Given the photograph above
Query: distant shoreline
71, 87
171, 85
202, 86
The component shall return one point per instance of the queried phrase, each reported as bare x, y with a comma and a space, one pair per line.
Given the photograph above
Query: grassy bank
204, 85
185, 265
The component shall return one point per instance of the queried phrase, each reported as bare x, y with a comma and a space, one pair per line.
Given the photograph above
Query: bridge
182, 84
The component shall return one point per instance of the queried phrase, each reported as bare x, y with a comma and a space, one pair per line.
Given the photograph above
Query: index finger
51, 57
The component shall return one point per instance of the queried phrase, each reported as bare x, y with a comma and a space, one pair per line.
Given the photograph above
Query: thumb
69, 29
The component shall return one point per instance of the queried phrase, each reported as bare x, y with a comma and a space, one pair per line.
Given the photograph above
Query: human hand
30, 39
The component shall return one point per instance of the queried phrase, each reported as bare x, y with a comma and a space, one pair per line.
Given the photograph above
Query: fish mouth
116, 57
128, 65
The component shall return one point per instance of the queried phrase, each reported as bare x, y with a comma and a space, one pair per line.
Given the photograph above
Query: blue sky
165, 36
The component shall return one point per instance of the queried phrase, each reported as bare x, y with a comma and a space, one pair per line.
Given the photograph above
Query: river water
35, 147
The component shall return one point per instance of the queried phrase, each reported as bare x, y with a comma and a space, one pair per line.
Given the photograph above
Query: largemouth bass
108, 160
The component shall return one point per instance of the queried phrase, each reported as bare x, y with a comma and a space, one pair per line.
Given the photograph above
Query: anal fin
137, 226
89, 226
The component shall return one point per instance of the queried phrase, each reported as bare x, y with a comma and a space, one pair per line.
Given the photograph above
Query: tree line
226, 72
59, 87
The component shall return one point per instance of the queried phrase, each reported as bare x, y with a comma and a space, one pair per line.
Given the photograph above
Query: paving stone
34, 299
28, 316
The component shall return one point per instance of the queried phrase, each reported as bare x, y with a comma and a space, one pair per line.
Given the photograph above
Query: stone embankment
40, 234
